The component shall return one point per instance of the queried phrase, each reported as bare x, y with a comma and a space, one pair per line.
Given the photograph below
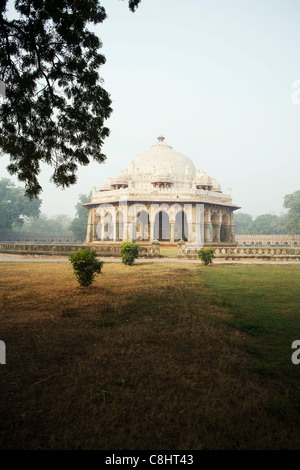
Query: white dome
164, 160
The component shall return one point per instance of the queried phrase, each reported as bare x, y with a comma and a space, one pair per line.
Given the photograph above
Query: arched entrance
142, 226
224, 231
181, 230
107, 227
162, 226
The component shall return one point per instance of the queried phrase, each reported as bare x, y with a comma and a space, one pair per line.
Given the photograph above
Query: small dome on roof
106, 184
120, 178
203, 179
216, 185
162, 175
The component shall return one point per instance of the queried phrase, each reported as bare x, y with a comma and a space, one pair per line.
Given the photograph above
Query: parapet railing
263, 253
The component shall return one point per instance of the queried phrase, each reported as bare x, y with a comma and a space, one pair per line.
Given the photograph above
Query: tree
292, 202
14, 206
241, 222
79, 225
267, 224
56, 223
279, 226
55, 105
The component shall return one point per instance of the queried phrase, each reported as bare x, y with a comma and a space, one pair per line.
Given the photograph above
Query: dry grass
140, 360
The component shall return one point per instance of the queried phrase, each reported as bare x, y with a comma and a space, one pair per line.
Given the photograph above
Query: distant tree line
270, 224
19, 213
43, 224
22, 214
266, 224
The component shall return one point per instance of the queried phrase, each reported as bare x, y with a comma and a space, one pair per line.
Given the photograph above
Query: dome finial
160, 138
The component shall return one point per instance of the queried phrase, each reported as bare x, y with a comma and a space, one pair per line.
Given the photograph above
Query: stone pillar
172, 231
196, 225
216, 233
96, 226
125, 215
114, 225
152, 222
206, 232
231, 229
129, 224
93, 224
89, 228
207, 224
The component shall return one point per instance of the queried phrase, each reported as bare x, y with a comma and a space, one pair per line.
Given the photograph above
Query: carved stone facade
161, 196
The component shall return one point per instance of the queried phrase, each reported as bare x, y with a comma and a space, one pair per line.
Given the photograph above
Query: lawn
171, 356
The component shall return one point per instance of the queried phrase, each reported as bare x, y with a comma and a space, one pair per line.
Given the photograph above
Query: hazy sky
215, 78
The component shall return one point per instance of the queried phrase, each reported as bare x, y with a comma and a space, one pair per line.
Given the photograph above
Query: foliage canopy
15, 207
79, 224
55, 105
292, 202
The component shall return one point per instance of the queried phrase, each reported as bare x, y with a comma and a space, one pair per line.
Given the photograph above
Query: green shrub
206, 255
129, 252
86, 266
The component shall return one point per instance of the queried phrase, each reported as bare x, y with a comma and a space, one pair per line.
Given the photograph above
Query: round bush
86, 266
206, 255
129, 252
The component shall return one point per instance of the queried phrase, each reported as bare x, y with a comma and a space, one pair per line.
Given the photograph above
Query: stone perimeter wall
236, 253
272, 240
34, 237
64, 250
153, 251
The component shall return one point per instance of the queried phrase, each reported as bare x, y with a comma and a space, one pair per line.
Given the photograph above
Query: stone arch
142, 226
215, 218
216, 226
161, 230
119, 225
181, 228
105, 218
105, 227
224, 231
